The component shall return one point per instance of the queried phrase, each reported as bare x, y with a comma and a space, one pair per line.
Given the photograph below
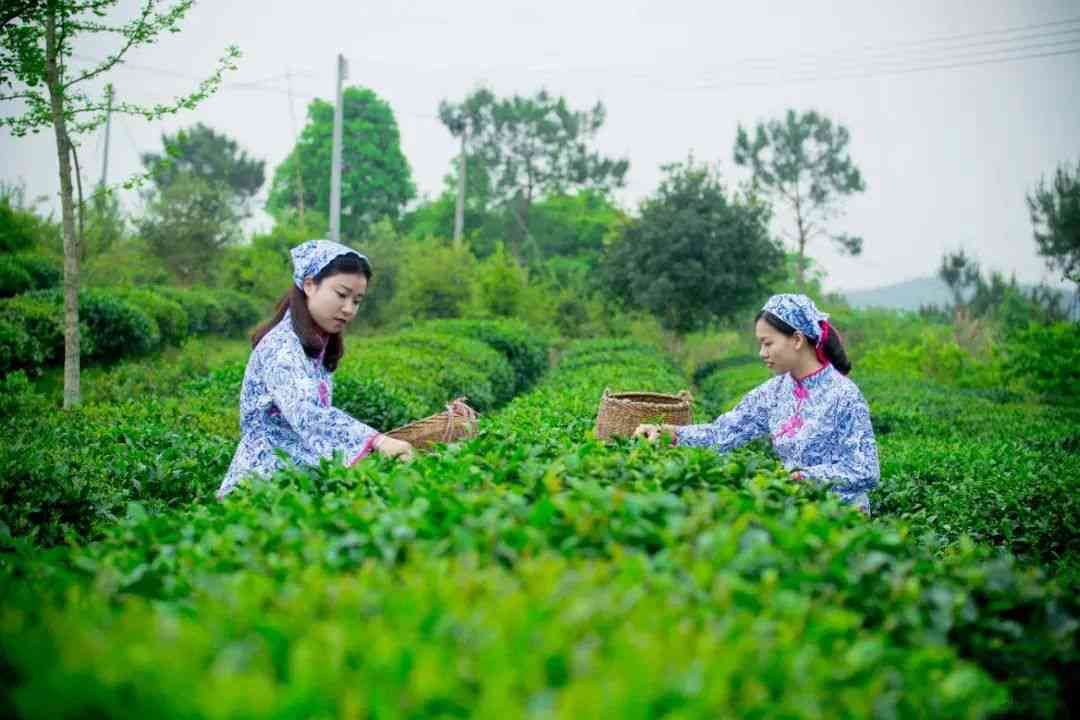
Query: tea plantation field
531, 571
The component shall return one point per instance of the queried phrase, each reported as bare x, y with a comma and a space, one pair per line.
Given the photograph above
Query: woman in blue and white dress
285, 400
815, 416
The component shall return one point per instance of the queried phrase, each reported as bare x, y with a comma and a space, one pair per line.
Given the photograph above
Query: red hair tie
819, 349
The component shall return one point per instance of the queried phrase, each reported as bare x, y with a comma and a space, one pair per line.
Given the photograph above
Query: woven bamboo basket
459, 421
621, 413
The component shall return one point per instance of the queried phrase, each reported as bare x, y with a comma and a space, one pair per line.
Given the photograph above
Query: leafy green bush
33, 334
524, 348
433, 369
204, 311
531, 567
1047, 359
119, 328
14, 278
44, 272
170, 317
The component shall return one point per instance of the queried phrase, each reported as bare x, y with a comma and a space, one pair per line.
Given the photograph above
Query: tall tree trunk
72, 394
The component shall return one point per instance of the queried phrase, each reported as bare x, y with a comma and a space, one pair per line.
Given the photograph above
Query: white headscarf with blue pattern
799, 312
311, 257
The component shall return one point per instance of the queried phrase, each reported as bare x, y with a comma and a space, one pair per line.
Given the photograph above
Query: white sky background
947, 154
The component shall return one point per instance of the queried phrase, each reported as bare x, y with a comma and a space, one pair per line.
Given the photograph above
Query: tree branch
133, 38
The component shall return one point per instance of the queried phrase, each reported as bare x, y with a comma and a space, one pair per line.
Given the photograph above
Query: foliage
105, 225
1055, 215
115, 323
188, 224
375, 178
694, 255
524, 348
1047, 358
531, 147
530, 567
802, 162
385, 249
37, 41
14, 278
207, 154
435, 281
168, 314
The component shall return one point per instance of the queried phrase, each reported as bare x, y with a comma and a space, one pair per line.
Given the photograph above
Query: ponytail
833, 348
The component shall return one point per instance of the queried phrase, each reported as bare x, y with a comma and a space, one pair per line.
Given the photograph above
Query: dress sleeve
323, 428
852, 469
747, 421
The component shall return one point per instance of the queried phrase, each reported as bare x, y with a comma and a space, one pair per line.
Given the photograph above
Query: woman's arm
747, 421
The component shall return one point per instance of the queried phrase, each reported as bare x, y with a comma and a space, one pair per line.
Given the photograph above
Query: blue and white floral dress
285, 404
819, 425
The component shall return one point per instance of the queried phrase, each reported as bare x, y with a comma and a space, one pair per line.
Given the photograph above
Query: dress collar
814, 379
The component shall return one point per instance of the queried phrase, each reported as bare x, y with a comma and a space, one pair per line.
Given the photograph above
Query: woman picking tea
813, 413
285, 400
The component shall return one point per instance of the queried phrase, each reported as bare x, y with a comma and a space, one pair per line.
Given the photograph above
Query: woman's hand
391, 448
797, 476
652, 433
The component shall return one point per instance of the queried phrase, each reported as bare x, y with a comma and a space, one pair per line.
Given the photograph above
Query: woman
817, 419
285, 398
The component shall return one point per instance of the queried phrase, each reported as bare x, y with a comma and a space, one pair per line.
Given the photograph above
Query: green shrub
170, 317
240, 311
14, 278
1047, 359
118, 327
44, 272
525, 349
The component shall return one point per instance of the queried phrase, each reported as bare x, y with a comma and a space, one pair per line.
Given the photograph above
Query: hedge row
530, 572
22, 273
166, 434
114, 323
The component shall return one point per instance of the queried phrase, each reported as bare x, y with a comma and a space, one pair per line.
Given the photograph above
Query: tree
188, 224
960, 273
375, 178
213, 156
37, 40
694, 255
803, 163
532, 147
1055, 214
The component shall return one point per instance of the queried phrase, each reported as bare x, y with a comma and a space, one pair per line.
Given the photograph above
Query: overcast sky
956, 108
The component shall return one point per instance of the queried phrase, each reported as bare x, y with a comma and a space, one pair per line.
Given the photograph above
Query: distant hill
907, 295
912, 294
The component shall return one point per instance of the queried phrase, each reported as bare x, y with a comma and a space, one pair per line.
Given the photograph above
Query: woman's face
778, 351
332, 303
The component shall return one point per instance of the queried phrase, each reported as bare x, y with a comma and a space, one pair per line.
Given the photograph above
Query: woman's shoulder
280, 342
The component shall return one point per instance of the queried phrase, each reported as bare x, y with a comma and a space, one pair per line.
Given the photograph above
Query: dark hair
834, 349
295, 302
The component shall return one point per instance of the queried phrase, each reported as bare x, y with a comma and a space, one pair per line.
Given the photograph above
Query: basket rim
649, 397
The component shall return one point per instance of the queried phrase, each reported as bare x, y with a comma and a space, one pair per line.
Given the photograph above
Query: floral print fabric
819, 426
286, 404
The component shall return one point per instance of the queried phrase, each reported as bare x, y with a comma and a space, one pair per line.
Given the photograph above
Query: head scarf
801, 313
311, 257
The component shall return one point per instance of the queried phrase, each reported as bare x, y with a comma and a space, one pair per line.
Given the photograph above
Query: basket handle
458, 407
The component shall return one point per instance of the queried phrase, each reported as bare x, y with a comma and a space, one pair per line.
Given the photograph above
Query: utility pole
108, 128
299, 174
459, 211
335, 164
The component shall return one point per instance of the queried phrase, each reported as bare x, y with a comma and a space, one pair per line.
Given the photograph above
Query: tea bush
114, 323
525, 349
530, 570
